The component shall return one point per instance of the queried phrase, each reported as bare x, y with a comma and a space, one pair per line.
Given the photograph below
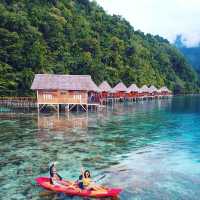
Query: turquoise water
151, 149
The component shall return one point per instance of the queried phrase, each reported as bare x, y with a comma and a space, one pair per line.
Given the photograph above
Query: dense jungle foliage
79, 37
192, 54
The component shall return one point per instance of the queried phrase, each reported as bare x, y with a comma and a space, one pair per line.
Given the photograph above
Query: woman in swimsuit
56, 179
87, 182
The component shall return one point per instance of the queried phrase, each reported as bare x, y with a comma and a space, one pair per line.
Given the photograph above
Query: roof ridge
63, 75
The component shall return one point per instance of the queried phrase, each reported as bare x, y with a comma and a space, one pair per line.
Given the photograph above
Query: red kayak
75, 191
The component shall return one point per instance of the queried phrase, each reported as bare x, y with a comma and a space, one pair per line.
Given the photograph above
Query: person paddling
55, 178
87, 183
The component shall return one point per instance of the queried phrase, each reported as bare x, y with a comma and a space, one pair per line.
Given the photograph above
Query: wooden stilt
38, 107
58, 108
83, 107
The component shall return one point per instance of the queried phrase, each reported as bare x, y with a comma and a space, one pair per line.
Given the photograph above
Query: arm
59, 177
51, 181
82, 171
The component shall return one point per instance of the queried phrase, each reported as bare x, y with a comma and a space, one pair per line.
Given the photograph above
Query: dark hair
51, 170
86, 171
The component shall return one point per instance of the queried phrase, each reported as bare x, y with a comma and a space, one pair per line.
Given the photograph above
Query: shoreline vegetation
79, 37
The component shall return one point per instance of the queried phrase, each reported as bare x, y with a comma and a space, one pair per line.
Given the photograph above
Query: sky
167, 18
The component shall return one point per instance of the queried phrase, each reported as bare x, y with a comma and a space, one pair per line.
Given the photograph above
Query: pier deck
30, 103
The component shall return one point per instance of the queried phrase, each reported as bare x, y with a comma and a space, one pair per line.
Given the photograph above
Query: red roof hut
105, 89
119, 91
144, 91
164, 91
133, 90
153, 90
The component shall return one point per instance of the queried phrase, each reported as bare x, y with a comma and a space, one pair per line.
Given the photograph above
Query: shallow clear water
150, 149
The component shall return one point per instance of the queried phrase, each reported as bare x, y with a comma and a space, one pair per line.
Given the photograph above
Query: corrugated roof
63, 82
105, 87
120, 87
133, 88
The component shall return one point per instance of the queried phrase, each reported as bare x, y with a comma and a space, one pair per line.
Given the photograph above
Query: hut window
77, 96
47, 96
63, 93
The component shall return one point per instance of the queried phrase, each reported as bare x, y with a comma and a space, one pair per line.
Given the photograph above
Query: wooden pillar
38, 105
67, 108
58, 108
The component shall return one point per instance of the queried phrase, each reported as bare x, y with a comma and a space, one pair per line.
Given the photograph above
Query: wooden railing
61, 100
18, 102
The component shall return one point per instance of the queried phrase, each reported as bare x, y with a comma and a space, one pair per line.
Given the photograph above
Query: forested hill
191, 53
78, 37
193, 56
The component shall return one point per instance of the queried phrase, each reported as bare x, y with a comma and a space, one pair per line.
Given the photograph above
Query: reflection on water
62, 122
150, 149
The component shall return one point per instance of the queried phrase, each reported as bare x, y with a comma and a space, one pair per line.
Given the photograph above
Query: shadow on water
149, 149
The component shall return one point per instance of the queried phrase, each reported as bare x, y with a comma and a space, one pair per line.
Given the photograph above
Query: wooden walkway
17, 103
8, 104
112, 100
71, 106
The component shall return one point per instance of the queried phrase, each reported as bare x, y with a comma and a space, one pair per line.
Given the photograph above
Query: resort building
119, 91
153, 90
105, 89
144, 91
133, 91
67, 90
164, 91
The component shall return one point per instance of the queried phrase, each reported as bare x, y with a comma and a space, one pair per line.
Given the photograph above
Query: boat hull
45, 183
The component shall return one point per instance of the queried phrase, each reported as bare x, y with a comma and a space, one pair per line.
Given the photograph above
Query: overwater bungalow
164, 91
133, 91
105, 89
119, 91
144, 91
67, 90
153, 90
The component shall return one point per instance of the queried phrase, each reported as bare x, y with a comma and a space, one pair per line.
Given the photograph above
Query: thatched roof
164, 89
144, 88
120, 87
153, 89
63, 82
133, 88
105, 87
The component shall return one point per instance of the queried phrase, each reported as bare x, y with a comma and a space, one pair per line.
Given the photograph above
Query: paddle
103, 176
98, 179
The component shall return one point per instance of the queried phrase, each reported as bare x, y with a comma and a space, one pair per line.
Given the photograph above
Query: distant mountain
191, 53
79, 37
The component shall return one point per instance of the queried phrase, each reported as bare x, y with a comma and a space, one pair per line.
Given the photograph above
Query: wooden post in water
38, 105
58, 108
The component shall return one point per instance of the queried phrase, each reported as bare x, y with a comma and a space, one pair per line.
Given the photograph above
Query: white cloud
167, 18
